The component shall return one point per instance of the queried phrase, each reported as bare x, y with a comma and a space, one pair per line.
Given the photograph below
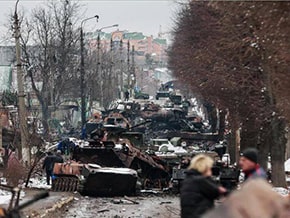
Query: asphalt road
120, 207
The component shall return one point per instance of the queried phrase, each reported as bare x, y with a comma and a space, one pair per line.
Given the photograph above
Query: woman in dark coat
198, 191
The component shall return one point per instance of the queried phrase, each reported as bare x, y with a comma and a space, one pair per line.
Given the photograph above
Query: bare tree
51, 61
235, 55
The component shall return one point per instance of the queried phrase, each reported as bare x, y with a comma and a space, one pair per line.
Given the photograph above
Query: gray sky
134, 15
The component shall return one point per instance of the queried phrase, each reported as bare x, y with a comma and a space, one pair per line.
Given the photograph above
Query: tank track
65, 184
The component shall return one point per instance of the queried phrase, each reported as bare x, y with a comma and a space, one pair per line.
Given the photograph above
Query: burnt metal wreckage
119, 160
109, 167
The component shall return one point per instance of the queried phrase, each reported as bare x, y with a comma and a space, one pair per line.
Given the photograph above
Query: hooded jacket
197, 194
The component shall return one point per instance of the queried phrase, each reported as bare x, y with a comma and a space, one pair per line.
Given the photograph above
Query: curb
58, 205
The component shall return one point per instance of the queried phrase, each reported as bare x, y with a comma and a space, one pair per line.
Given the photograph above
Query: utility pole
82, 77
133, 71
82, 72
1, 132
25, 151
128, 65
99, 69
121, 68
99, 62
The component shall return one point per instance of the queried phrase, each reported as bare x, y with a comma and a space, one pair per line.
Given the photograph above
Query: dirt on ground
121, 207
45, 206
66, 204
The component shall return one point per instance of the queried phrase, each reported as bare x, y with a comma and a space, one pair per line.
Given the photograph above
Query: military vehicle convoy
119, 150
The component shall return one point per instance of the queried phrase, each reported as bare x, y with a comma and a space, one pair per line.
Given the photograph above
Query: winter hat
251, 154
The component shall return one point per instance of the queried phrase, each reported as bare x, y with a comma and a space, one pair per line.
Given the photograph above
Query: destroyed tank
158, 114
122, 153
224, 174
94, 180
109, 152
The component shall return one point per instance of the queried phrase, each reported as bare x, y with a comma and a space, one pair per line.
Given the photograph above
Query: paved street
118, 207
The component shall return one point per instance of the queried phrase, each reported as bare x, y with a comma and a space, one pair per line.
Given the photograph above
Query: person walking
49, 162
48, 166
249, 164
127, 95
198, 191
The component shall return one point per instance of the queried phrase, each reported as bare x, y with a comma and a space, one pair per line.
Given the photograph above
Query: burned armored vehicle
122, 153
224, 174
94, 180
109, 165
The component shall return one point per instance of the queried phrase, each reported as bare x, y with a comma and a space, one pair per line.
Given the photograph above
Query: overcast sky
134, 15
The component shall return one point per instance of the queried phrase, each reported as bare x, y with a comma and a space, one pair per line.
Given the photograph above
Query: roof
94, 35
160, 41
134, 36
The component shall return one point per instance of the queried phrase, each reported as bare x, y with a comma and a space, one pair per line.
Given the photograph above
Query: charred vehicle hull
109, 178
108, 181
124, 154
94, 180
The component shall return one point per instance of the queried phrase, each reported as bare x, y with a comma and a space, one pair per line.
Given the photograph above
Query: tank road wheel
77, 182
73, 184
59, 184
65, 184
54, 184
70, 184
81, 186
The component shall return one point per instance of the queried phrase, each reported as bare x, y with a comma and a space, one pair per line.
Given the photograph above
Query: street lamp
98, 39
82, 72
106, 27
99, 62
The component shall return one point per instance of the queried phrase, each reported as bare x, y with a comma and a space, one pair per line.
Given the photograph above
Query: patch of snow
168, 147
241, 177
226, 159
3, 181
281, 191
5, 196
254, 44
287, 165
39, 182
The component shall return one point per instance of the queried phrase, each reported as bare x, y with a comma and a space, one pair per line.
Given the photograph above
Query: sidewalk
44, 207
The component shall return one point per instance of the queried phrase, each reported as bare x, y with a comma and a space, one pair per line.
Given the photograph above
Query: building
156, 47
7, 74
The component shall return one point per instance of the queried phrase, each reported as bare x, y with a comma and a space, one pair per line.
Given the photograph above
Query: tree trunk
222, 124
264, 145
212, 116
232, 146
278, 152
287, 155
45, 117
249, 134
